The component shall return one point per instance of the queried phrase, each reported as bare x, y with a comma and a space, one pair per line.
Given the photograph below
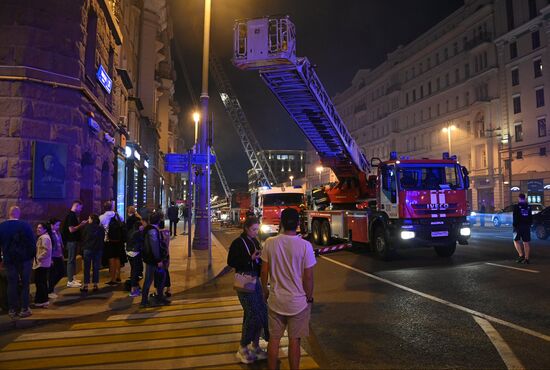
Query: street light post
196, 119
202, 218
448, 130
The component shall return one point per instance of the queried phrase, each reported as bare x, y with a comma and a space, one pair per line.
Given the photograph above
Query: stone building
284, 164
70, 73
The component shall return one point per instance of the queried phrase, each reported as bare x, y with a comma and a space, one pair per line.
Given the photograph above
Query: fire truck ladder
252, 148
223, 180
268, 45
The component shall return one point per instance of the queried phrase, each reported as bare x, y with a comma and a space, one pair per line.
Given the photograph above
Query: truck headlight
465, 231
405, 235
473, 213
265, 229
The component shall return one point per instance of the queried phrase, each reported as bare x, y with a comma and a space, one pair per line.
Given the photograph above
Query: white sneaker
257, 352
43, 305
52, 296
73, 284
245, 356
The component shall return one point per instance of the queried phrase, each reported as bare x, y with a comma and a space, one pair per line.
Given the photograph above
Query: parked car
505, 216
541, 224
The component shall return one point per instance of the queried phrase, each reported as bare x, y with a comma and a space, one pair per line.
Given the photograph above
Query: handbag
243, 282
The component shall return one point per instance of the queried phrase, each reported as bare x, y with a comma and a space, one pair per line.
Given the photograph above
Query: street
478, 309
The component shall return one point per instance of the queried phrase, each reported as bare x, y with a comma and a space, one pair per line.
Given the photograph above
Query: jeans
41, 283
57, 271
18, 273
71, 260
255, 316
151, 272
136, 269
93, 258
173, 226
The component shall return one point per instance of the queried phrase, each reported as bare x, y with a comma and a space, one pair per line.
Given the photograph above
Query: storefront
136, 176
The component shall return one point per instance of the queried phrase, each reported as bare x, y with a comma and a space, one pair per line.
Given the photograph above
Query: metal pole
200, 240
189, 201
510, 197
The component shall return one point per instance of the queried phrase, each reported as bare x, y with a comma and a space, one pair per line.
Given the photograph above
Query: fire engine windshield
429, 177
287, 199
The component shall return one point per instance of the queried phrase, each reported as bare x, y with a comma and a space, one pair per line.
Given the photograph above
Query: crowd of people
102, 240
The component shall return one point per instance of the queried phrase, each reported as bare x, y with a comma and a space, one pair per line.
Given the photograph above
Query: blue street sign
104, 79
202, 159
170, 167
176, 158
175, 162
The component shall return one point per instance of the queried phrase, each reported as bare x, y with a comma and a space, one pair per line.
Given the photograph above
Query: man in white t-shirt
288, 262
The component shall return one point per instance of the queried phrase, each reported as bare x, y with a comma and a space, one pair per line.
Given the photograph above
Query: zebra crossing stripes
189, 334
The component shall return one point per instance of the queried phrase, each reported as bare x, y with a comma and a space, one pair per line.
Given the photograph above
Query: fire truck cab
272, 201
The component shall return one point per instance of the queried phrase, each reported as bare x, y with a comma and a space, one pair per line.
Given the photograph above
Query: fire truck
271, 202
401, 202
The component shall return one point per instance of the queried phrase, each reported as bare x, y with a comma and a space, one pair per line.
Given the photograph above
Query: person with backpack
42, 264
152, 254
133, 251
71, 237
114, 240
57, 271
17, 243
93, 242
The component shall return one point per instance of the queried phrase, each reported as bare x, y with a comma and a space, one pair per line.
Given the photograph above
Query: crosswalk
201, 333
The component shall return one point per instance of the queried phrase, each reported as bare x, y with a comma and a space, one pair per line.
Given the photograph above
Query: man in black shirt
173, 213
71, 237
522, 221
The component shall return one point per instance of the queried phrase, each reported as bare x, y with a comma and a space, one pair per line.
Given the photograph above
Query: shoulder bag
243, 282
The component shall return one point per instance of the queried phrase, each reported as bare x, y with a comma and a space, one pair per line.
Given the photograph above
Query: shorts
522, 233
298, 325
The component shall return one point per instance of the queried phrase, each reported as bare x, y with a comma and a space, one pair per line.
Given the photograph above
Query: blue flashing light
393, 156
445, 155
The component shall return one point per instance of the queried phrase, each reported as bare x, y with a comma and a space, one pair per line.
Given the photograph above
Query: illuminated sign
108, 138
137, 155
146, 164
514, 188
104, 79
128, 152
92, 123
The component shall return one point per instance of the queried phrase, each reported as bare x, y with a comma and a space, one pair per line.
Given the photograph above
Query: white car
505, 216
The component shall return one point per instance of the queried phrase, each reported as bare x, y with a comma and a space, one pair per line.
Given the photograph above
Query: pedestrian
185, 216
152, 257
288, 262
57, 271
18, 248
173, 213
114, 240
93, 238
522, 221
244, 257
42, 264
133, 251
482, 211
71, 237
132, 216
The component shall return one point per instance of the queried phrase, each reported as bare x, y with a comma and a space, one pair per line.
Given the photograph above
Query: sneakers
12, 314
525, 261
25, 313
245, 356
135, 293
520, 259
257, 352
42, 305
52, 296
73, 284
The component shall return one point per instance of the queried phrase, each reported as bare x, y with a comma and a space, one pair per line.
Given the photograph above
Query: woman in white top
41, 265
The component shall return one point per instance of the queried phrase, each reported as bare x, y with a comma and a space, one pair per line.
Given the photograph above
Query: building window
541, 123
446, 54
429, 62
414, 95
421, 92
457, 104
517, 104
537, 68
467, 98
510, 14
466, 70
447, 79
519, 154
407, 98
518, 129
457, 75
436, 58
455, 48
91, 39
438, 109
535, 39
513, 50
429, 112
539, 94
429, 87
515, 77
437, 84
542, 151
532, 9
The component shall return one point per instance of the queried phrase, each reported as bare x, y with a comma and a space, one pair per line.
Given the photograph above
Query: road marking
147, 315
505, 352
442, 301
513, 268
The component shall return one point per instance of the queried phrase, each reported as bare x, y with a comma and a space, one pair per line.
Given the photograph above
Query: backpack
147, 249
135, 241
21, 248
116, 230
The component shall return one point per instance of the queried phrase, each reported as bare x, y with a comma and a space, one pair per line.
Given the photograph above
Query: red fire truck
400, 202
271, 202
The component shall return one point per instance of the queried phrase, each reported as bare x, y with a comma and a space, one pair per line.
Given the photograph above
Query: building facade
448, 91
288, 166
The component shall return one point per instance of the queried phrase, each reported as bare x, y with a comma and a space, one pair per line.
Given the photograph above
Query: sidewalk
185, 273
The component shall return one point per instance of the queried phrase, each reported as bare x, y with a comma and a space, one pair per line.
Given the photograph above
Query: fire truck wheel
316, 232
325, 233
381, 244
446, 250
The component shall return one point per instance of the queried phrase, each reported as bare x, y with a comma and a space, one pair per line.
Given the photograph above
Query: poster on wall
49, 161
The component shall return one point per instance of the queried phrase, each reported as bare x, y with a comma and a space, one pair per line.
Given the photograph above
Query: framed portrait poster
49, 162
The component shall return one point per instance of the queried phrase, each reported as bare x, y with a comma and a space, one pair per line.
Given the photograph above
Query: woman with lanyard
244, 257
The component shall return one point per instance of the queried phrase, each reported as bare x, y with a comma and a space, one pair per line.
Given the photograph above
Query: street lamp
448, 130
196, 119
319, 170
291, 178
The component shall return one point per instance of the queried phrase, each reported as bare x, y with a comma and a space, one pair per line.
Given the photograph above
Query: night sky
340, 36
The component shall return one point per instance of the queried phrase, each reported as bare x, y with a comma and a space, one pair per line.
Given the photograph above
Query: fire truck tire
446, 250
325, 233
381, 245
316, 231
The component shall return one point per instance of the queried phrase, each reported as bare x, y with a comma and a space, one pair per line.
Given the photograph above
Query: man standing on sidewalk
522, 221
71, 237
173, 216
288, 262
18, 247
154, 253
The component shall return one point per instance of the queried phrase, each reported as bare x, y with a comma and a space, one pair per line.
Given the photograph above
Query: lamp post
196, 119
319, 170
291, 179
202, 218
448, 130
